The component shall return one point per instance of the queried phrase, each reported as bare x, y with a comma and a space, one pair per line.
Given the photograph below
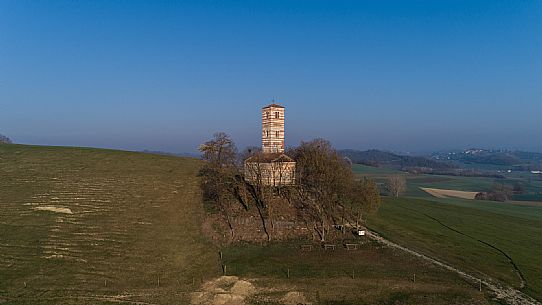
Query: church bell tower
273, 129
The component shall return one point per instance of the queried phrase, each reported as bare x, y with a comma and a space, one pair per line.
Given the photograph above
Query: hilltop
469, 162
492, 159
379, 158
91, 226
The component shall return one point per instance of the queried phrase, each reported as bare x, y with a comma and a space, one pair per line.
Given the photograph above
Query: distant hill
414, 164
165, 153
379, 158
505, 159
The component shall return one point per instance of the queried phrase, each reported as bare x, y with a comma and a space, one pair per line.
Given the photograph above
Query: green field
94, 226
459, 231
531, 183
454, 230
370, 275
135, 222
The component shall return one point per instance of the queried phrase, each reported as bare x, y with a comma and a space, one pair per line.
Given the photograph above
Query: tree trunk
264, 225
323, 230
228, 220
260, 204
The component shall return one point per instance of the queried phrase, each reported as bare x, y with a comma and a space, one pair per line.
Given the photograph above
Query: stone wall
270, 173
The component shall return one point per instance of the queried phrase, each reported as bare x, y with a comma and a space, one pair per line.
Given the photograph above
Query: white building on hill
271, 167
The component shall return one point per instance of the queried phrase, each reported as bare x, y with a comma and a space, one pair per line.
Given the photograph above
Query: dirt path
508, 294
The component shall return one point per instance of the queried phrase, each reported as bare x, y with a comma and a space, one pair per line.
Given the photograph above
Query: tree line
325, 192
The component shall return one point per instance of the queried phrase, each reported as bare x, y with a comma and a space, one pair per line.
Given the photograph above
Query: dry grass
442, 193
373, 274
91, 226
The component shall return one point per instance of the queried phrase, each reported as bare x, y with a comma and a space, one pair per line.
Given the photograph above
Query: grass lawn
514, 229
132, 231
369, 275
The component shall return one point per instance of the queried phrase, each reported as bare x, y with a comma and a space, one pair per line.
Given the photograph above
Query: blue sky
164, 75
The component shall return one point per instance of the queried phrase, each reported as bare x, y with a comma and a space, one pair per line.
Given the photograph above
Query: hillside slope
386, 159
92, 226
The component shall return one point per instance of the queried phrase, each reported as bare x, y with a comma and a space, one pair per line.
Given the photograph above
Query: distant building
271, 167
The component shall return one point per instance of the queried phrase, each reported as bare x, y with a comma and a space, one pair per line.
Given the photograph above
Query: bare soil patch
54, 209
443, 193
231, 290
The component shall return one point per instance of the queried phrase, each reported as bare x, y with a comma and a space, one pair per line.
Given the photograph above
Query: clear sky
165, 75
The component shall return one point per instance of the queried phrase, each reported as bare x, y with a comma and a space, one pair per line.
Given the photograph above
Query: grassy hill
93, 226
390, 160
471, 235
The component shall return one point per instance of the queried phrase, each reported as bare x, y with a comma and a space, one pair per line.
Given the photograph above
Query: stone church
271, 166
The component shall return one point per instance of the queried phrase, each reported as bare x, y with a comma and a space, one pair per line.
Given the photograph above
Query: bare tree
248, 152
323, 181
220, 151
365, 200
256, 181
396, 185
219, 173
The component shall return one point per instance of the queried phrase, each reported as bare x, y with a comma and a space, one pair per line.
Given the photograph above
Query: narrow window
267, 114
267, 133
277, 133
277, 115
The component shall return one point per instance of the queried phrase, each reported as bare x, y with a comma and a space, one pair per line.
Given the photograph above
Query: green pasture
456, 231
372, 274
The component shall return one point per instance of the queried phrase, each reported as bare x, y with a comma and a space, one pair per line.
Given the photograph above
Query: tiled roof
273, 106
269, 158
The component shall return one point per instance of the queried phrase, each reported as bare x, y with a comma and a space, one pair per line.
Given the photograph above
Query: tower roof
269, 158
273, 106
